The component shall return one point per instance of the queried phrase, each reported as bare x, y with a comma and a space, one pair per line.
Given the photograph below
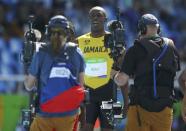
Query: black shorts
93, 111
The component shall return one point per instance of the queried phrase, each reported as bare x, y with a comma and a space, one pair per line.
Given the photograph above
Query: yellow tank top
98, 61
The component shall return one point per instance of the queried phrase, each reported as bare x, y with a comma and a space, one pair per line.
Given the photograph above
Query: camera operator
58, 67
153, 61
98, 68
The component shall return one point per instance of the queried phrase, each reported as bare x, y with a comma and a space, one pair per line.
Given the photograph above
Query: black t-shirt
132, 58
135, 56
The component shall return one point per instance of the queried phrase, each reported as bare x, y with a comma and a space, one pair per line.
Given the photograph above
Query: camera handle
114, 92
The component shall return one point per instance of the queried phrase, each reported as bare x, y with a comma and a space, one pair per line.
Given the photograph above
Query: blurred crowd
14, 22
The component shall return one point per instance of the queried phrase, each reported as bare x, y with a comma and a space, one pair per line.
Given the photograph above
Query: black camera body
113, 111
87, 96
27, 116
29, 113
32, 36
28, 51
115, 39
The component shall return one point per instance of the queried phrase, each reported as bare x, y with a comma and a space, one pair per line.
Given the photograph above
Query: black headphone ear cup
68, 33
159, 30
142, 27
105, 19
138, 27
47, 33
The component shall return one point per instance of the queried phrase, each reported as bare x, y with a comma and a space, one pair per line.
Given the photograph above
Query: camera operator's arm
82, 67
120, 78
31, 37
82, 107
81, 117
124, 88
182, 83
31, 72
124, 91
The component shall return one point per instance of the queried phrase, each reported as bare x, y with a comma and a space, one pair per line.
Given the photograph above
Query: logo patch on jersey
87, 41
90, 49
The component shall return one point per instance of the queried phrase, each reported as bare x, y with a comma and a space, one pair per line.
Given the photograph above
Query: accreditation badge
96, 67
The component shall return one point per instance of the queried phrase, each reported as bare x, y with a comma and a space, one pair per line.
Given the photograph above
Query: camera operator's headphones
147, 19
58, 21
72, 28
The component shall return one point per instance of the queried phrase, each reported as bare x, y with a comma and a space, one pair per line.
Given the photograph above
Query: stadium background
13, 22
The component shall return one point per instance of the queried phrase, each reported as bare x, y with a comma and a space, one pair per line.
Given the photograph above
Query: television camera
115, 41
32, 36
113, 111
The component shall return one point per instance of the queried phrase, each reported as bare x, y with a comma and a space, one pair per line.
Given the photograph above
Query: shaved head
98, 8
97, 16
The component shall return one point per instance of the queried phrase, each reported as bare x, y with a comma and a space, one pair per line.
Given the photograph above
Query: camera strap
155, 62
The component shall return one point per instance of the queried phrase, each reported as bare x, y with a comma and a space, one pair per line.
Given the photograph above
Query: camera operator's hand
113, 73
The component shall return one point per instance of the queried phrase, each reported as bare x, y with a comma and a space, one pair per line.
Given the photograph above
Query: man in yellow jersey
154, 68
98, 69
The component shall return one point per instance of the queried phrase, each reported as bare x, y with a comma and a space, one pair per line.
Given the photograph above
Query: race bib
96, 67
61, 72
